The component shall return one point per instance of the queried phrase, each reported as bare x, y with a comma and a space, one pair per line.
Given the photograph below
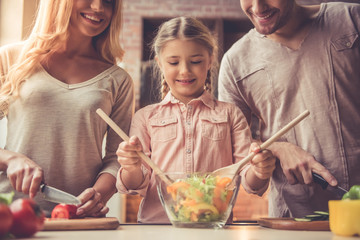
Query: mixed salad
200, 198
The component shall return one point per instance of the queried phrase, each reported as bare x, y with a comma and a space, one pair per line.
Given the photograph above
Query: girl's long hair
50, 32
186, 28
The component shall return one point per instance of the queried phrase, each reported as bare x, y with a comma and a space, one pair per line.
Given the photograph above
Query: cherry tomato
64, 211
28, 217
6, 219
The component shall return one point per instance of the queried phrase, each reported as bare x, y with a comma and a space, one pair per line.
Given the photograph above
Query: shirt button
188, 123
162, 122
348, 44
188, 151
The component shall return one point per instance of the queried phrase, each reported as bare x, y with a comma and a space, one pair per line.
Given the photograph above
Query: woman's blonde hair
50, 32
186, 28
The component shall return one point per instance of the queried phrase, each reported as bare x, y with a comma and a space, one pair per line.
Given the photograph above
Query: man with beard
300, 57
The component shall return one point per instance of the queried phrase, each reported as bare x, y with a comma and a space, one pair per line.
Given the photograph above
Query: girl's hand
127, 154
91, 204
24, 174
130, 173
263, 163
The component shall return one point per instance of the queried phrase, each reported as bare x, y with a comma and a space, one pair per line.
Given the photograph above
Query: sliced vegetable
317, 216
64, 211
200, 199
322, 213
302, 219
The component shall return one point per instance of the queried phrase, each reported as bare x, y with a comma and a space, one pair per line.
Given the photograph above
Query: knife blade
325, 185
52, 194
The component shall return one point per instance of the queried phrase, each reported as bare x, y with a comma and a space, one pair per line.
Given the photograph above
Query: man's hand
298, 165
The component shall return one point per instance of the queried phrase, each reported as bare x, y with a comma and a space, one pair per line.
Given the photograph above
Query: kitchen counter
168, 232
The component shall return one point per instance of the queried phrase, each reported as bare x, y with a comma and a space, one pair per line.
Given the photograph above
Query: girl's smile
185, 65
185, 81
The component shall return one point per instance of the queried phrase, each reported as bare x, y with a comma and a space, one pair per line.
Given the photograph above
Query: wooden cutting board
291, 224
107, 223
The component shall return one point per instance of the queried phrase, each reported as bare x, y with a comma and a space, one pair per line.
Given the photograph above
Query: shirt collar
206, 98
259, 34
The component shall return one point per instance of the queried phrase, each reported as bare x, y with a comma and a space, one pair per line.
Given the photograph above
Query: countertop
168, 232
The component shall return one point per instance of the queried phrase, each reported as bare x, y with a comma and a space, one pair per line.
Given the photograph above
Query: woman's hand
91, 204
24, 174
94, 199
263, 163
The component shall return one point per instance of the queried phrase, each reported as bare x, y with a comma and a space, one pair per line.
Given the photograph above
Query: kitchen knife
325, 185
52, 194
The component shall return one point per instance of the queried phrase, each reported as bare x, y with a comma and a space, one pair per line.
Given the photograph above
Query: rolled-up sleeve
141, 190
247, 187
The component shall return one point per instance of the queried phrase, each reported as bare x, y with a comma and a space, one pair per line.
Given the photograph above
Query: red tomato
28, 217
6, 219
64, 211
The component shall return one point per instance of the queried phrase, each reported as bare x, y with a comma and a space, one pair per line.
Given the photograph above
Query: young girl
50, 86
188, 131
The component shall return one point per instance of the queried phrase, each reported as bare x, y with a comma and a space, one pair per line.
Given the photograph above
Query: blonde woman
51, 84
189, 130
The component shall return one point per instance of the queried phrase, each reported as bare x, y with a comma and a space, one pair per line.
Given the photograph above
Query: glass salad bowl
198, 200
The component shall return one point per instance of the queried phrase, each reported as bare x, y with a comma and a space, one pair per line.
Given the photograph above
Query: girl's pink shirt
203, 135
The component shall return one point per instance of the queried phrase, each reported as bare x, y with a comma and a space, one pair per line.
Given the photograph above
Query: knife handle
320, 180
42, 185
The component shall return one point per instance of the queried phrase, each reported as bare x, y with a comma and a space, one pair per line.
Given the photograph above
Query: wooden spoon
141, 154
234, 169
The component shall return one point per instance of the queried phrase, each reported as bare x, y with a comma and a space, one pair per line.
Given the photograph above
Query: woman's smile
92, 18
